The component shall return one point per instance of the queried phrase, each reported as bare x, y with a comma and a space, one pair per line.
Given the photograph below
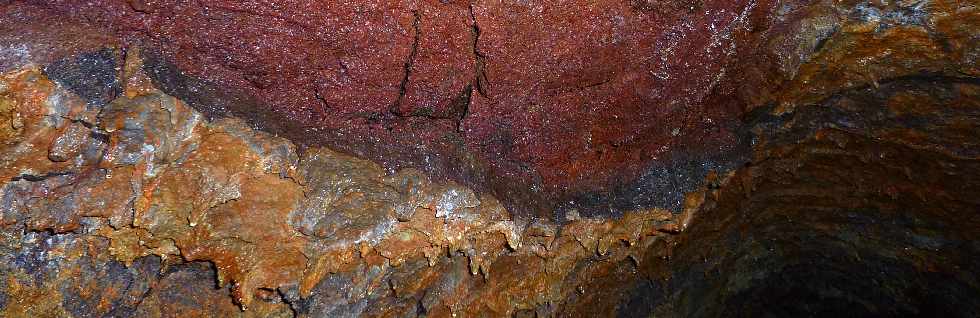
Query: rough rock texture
572, 97
408, 159
143, 185
863, 205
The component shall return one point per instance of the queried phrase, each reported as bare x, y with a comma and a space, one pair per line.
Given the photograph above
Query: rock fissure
409, 64
39, 178
480, 81
640, 158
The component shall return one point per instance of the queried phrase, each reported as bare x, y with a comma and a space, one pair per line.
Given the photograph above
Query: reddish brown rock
126, 191
572, 97
168, 188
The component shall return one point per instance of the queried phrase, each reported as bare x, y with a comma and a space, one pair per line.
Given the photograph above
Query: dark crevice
480, 77
149, 289
463, 106
290, 303
101, 137
420, 310
83, 122
38, 178
409, 64
591, 85
319, 97
807, 119
926, 77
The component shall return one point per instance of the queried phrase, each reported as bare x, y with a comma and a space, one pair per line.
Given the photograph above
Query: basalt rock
448, 158
151, 184
535, 103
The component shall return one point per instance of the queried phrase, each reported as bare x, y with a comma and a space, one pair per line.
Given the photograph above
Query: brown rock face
571, 97
160, 185
446, 159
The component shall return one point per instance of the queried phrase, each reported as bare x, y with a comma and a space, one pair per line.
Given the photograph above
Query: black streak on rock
92, 76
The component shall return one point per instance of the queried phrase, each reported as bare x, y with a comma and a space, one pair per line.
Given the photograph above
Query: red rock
573, 96
860, 197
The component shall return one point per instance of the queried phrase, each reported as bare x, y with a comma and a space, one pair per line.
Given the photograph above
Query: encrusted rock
447, 159
151, 181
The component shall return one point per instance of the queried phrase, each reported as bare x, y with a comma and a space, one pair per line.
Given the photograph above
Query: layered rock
574, 98
446, 159
143, 183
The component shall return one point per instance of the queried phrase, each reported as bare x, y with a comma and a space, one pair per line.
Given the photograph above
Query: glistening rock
630, 158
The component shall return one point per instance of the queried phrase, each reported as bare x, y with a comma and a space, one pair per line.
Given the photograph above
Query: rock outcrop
447, 158
144, 189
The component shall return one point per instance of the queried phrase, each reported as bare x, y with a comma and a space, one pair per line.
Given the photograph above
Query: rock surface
570, 97
408, 159
145, 189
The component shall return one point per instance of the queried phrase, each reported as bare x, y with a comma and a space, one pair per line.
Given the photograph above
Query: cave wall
575, 98
630, 158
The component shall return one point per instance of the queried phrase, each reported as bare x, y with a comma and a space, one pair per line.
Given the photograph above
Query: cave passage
629, 158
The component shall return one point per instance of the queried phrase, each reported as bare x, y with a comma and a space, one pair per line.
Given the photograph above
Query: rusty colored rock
447, 159
575, 98
167, 185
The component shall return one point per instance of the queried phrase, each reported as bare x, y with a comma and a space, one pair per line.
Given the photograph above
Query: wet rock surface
153, 192
570, 97
636, 158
